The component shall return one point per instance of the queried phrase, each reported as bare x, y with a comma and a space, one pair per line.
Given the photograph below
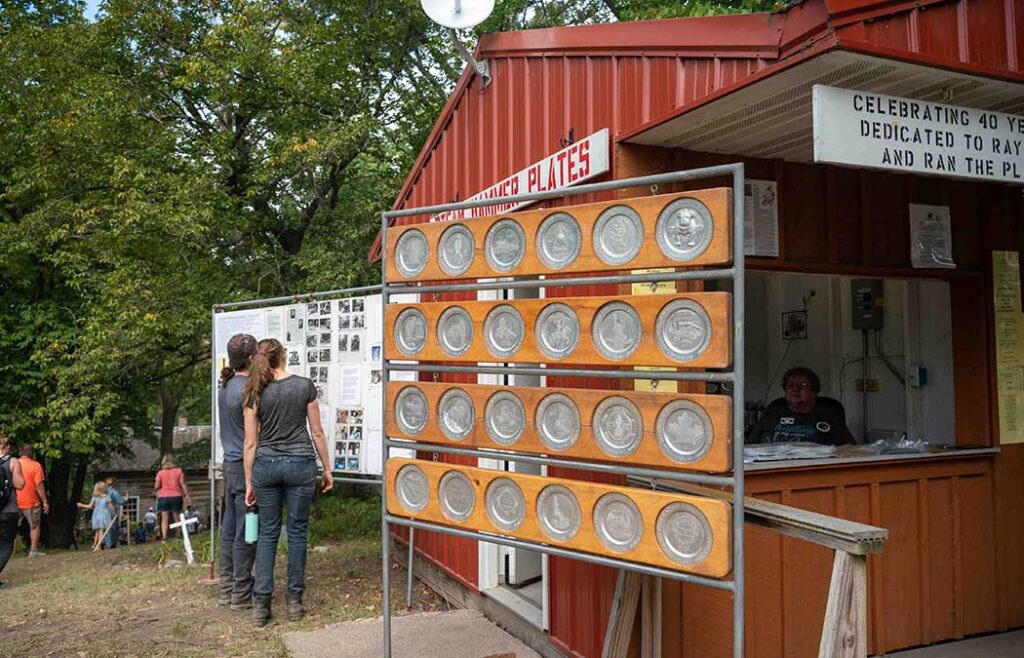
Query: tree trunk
169, 403
60, 522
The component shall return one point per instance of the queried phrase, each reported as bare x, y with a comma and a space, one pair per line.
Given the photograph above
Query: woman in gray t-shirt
280, 469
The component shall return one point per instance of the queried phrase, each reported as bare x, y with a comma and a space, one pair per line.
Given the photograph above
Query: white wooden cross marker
183, 524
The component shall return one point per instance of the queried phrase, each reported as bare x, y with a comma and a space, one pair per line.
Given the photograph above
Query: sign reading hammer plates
572, 165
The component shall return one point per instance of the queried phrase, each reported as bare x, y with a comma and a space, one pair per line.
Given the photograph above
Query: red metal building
689, 92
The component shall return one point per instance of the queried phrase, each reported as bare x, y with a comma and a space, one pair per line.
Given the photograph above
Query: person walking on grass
32, 501
171, 490
11, 481
118, 500
280, 470
102, 513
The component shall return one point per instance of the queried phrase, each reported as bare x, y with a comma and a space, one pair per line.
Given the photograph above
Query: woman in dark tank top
9, 508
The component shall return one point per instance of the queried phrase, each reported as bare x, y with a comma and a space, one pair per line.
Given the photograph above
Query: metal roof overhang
771, 117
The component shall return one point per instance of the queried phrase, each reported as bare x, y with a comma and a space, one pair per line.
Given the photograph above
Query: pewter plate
683, 330
684, 229
558, 512
412, 488
411, 253
616, 331
454, 331
684, 431
455, 414
411, 410
455, 250
618, 426
410, 331
557, 330
558, 421
618, 235
504, 418
684, 533
618, 522
504, 330
457, 497
558, 240
506, 505
505, 245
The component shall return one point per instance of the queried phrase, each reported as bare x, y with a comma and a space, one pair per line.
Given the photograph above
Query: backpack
6, 482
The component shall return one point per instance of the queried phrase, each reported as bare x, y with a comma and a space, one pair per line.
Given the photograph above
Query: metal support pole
739, 379
412, 557
213, 442
566, 372
385, 533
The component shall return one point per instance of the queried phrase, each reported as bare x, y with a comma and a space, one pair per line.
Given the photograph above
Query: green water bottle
252, 525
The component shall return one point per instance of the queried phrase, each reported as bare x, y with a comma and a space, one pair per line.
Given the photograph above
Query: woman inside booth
801, 415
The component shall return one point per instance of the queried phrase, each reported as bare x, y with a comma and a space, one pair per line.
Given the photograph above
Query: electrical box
866, 296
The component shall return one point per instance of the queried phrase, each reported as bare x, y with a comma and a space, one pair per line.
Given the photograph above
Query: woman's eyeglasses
797, 386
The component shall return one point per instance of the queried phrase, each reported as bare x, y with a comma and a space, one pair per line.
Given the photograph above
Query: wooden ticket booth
937, 243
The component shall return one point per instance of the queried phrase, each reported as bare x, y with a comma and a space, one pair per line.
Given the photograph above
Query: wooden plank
650, 632
844, 631
718, 251
648, 453
622, 615
718, 306
717, 564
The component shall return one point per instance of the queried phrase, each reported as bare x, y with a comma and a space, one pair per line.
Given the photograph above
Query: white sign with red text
574, 164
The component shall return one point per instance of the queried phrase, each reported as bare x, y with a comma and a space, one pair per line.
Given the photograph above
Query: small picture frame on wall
794, 325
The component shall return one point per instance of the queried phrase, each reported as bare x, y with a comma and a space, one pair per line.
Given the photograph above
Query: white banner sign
863, 129
574, 164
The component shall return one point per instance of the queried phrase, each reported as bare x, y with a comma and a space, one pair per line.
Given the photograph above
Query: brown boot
296, 610
261, 614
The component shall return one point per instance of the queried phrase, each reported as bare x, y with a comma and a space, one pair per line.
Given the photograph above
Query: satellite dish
458, 14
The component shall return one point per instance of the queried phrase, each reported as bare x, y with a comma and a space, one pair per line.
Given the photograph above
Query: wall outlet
869, 385
917, 376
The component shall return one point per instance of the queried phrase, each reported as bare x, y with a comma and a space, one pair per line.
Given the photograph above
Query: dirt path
120, 603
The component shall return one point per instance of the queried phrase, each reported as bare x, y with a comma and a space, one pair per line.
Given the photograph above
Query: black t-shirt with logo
825, 424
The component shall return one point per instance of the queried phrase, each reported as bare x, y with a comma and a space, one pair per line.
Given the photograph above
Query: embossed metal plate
618, 235
412, 488
411, 410
616, 330
558, 240
411, 253
618, 426
684, 229
684, 431
682, 330
684, 533
558, 421
504, 418
505, 245
455, 414
457, 497
410, 331
557, 330
455, 250
455, 331
558, 512
504, 330
506, 505
618, 522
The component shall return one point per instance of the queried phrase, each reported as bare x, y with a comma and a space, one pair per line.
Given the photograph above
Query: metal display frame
734, 376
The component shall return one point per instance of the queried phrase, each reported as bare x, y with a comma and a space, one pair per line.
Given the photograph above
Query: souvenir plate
411, 410
503, 330
558, 512
684, 533
412, 488
618, 522
684, 229
558, 240
455, 331
618, 235
455, 250
557, 330
410, 331
504, 418
411, 253
558, 421
683, 330
618, 426
455, 414
506, 505
617, 330
505, 245
456, 495
684, 431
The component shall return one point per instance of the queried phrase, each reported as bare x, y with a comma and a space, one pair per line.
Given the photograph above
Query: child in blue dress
102, 511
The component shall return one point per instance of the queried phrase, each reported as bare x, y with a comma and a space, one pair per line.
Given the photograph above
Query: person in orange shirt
32, 501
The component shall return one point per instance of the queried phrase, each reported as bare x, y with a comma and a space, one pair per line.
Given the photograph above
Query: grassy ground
123, 603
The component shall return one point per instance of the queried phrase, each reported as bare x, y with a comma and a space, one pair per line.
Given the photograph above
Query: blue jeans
236, 556
281, 481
